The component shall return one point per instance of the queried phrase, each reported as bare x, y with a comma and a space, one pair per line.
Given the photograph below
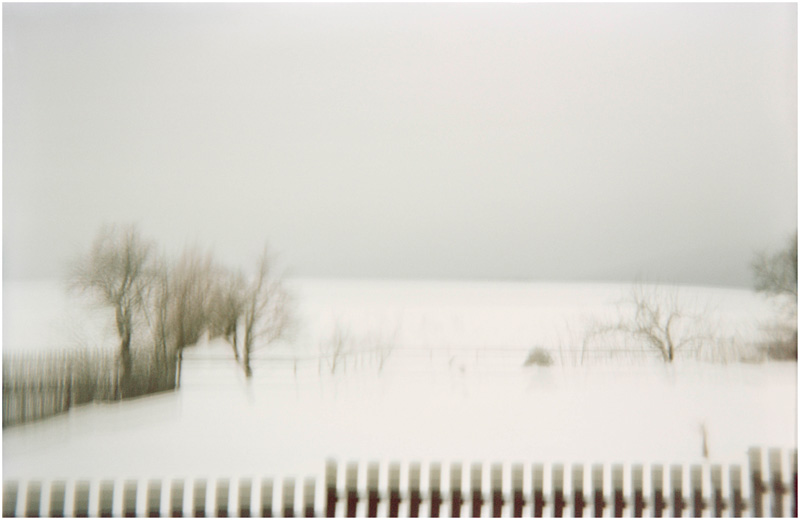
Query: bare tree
117, 271
163, 337
227, 306
191, 282
657, 321
266, 310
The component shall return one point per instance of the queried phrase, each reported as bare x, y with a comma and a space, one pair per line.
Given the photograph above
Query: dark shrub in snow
782, 349
539, 357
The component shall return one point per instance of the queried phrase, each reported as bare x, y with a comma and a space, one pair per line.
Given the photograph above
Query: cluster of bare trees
164, 307
344, 345
775, 275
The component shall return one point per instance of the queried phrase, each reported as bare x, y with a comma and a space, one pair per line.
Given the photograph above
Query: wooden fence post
657, 490
308, 498
558, 490
618, 490
245, 497
637, 476
33, 499
58, 493
106, 498
756, 482
578, 497
176, 498
776, 477
199, 498
497, 490
455, 490
221, 498
538, 490
435, 473
394, 489
696, 481
597, 487
476, 482
10, 490
737, 502
676, 479
288, 497
716, 490
41, 398
793, 467
517, 472
415, 496
81, 509
373, 486
154, 498
330, 489
266, 495
351, 489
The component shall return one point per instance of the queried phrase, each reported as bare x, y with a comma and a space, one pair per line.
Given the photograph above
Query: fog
489, 141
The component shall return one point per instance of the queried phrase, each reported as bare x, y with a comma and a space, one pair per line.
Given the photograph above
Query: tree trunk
248, 372
126, 362
235, 341
179, 368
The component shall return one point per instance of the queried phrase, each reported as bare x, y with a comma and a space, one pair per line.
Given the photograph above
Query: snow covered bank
451, 396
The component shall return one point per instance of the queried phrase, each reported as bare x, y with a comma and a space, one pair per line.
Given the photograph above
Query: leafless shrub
335, 350
729, 350
383, 350
381, 345
780, 341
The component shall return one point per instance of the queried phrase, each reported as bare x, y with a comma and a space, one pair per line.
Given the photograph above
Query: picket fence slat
766, 486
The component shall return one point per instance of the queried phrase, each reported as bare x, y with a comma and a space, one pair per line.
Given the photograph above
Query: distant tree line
162, 306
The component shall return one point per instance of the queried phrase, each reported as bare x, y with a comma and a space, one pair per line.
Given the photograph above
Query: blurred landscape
451, 384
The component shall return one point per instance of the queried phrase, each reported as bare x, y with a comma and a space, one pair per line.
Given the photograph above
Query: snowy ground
452, 388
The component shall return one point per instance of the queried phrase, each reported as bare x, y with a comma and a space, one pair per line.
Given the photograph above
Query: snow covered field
453, 387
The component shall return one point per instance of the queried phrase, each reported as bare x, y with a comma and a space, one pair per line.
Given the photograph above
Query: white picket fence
432, 489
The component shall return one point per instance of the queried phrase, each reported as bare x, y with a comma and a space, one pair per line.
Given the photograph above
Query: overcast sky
491, 141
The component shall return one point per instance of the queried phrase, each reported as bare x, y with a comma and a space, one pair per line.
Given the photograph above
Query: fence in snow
37, 387
437, 490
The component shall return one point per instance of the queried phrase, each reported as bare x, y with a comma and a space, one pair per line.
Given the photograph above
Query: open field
452, 387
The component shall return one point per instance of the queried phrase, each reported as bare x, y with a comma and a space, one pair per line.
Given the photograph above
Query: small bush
781, 349
539, 357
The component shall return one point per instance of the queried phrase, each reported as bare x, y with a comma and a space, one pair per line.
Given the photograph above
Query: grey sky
533, 141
